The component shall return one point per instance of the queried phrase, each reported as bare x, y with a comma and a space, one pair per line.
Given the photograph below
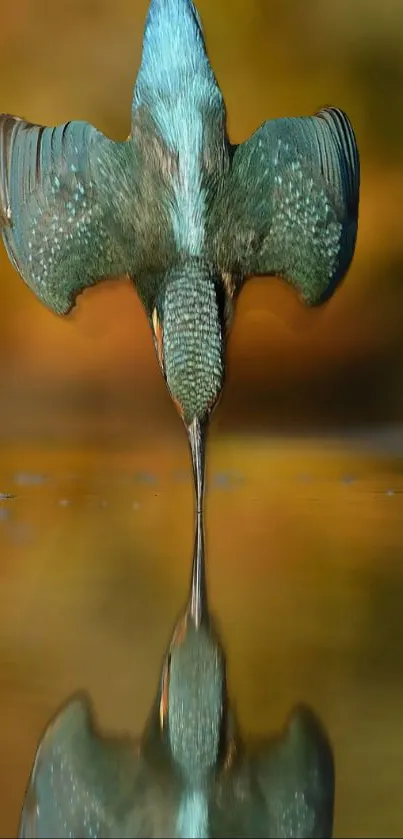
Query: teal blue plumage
290, 203
177, 197
87, 785
188, 217
64, 198
189, 775
194, 358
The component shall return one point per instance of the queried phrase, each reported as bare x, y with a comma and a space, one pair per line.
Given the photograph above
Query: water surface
305, 567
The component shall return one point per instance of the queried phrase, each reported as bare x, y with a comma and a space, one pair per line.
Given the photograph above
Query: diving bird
190, 774
177, 208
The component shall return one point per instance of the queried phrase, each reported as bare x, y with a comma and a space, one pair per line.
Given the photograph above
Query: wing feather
82, 784
290, 204
296, 777
282, 788
64, 202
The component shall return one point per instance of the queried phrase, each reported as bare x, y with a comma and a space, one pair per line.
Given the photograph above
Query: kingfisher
190, 775
177, 208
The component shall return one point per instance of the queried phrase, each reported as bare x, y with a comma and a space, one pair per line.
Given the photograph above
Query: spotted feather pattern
63, 203
290, 203
193, 348
85, 785
283, 787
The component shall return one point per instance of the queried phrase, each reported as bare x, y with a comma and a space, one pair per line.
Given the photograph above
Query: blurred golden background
305, 533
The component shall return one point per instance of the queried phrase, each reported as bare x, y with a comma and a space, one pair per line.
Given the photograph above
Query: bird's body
185, 214
189, 776
188, 217
86, 785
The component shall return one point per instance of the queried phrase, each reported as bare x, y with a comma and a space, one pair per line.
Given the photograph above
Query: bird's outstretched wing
82, 785
295, 774
283, 788
63, 202
290, 204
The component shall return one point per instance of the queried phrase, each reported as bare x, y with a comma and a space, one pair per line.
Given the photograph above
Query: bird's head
193, 700
189, 324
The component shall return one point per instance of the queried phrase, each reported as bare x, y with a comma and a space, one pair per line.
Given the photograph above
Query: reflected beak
198, 609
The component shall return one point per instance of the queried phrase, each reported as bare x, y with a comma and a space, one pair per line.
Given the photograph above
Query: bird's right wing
66, 195
295, 774
82, 785
289, 205
283, 787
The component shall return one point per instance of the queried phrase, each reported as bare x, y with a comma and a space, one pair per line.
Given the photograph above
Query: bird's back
178, 118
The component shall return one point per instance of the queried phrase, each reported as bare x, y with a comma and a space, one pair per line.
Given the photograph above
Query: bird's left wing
64, 199
289, 206
82, 785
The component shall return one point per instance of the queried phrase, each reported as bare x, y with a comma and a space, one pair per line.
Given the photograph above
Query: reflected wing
283, 789
82, 785
63, 207
295, 774
290, 206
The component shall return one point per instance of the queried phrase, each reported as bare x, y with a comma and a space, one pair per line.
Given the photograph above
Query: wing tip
304, 724
341, 125
74, 711
340, 120
8, 122
336, 115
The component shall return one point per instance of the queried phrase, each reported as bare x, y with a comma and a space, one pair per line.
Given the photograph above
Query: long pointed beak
198, 608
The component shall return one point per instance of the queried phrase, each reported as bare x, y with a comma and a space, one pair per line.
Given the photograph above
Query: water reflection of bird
189, 775
177, 208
